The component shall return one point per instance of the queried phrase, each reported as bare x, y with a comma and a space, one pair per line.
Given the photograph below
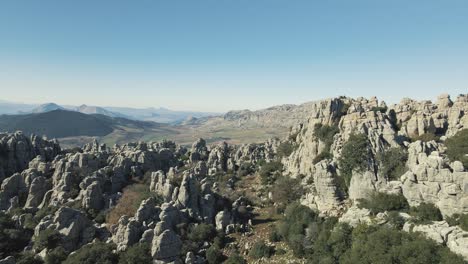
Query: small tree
354, 156
381, 202
425, 213
261, 250
457, 147
393, 163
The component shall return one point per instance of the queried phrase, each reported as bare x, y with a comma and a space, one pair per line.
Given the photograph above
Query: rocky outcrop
432, 179
17, 150
74, 227
166, 247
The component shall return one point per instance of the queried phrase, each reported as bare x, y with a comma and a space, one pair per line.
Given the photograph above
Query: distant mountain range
61, 123
160, 115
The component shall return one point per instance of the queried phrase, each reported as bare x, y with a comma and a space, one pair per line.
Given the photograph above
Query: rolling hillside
62, 123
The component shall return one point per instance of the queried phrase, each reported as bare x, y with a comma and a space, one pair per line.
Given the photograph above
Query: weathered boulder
166, 247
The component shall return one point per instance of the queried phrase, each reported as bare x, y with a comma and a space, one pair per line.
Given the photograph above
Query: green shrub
426, 212
286, 190
96, 253
354, 156
458, 220
269, 172
28, 258
379, 109
426, 137
386, 245
202, 232
292, 228
457, 147
381, 202
395, 220
285, 149
139, 253
235, 259
325, 134
246, 168
214, 255
325, 154
12, 238
393, 163
56, 256
261, 250
47, 239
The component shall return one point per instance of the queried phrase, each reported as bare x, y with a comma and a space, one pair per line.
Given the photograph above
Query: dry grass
131, 199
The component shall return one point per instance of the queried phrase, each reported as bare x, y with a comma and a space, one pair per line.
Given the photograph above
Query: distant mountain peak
47, 108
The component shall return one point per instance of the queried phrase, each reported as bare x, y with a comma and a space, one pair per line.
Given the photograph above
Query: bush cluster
12, 238
327, 241
458, 220
261, 250
425, 213
285, 149
457, 147
286, 190
354, 156
382, 202
393, 163
325, 134
269, 172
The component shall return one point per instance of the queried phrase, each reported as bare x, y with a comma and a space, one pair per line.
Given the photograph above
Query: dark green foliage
395, 220
285, 149
426, 137
457, 147
28, 258
96, 253
47, 239
460, 220
202, 232
44, 211
261, 250
246, 168
214, 255
235, 259
12, 238
385, 245
274, 236
379, 109
381, 202
355, 156
292, 228
269, 172
56, 256
393, 163
220, 240
139, 253
425, 213
286, 190
325, 134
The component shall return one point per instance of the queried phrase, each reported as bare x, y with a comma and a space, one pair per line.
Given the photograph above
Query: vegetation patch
457, 147
131, 199
261, 250
458, 220
354, 156
285, 149
325, 134
425, 213
382, 202
393, 163
269, 172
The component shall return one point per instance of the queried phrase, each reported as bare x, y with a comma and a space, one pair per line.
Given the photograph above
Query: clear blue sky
216, 55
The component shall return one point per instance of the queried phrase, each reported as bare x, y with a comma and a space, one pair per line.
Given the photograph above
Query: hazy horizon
217, 56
